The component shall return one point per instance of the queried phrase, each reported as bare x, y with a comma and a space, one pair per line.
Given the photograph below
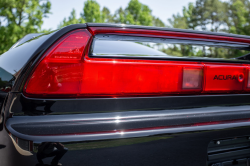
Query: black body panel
166, 130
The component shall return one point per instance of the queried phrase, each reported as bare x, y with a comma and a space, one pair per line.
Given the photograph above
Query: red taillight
64, 72
135, 77
70, 48
60, 70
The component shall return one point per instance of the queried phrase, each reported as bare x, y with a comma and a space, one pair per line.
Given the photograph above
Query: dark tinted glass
115, 45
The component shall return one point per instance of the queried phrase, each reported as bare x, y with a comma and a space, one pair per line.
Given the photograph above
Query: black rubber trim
54, 125
118, 134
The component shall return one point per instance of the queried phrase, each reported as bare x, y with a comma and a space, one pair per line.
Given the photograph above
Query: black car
112, 94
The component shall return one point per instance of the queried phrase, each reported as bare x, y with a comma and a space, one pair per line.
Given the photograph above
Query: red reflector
192, 78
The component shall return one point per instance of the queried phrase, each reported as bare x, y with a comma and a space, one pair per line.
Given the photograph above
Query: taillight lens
192, 78
136, 77
60, 70
70, 48
64, 72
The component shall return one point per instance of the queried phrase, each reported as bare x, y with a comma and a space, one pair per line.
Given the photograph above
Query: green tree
185, 20
135, 13
119, 16
178, 21
106, 16
20, 17
200, 19
91, 11
238, 17
71, 20
189, 16
215, 13
157, 22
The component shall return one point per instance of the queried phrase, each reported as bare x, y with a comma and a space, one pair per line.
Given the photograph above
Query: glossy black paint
116, 131
29, 106
26, 38
174, 146
170, 149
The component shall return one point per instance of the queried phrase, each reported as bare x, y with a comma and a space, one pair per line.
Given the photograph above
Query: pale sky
60, 9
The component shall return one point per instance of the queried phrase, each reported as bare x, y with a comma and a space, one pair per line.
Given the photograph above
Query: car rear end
127, 95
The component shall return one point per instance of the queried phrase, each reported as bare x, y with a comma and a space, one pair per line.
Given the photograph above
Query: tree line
21, 17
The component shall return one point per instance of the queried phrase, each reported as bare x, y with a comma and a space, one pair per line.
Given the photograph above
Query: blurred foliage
231, 16
91, 11
71, 20
214, 15
201, 51
135, 13
20, 17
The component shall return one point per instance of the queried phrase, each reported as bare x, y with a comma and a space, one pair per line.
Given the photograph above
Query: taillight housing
65, 71
60, 69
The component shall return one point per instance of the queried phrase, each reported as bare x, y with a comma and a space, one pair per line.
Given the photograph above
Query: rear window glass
131, 46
